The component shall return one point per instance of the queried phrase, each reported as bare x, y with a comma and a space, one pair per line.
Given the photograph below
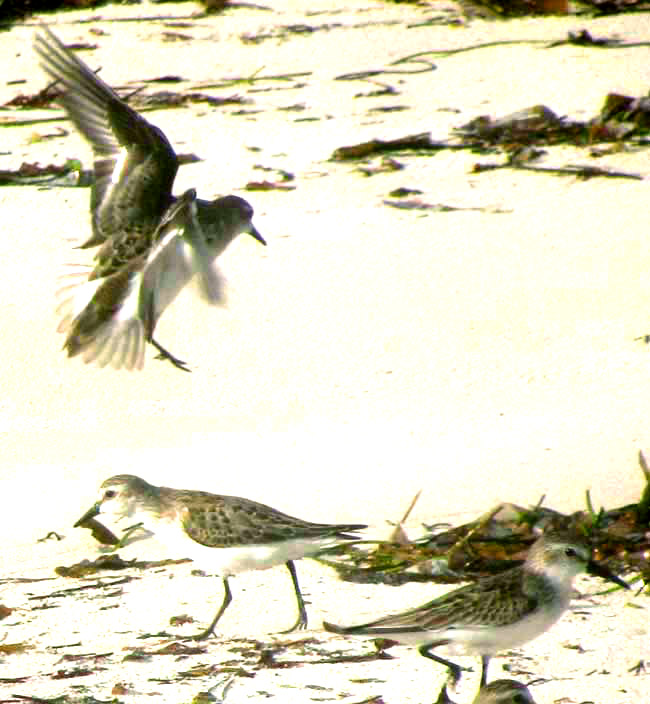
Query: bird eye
570, 552
110, 494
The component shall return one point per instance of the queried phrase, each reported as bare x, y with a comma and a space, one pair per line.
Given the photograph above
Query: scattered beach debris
171, 99
419, 204
282, 183
112, 561
13, 648
70, 591
620, 117
67, 174
499, 540
582, 172
403, 192
411, 142
62, 699
384, 165
518, 135
38, 100
533, 124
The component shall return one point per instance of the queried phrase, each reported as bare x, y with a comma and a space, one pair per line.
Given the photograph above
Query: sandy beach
484, 353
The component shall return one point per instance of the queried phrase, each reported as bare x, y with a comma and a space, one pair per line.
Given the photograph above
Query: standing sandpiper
152, 243
495, 613
228, 533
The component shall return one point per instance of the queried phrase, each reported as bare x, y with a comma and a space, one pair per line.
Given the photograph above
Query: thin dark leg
227, 598
164, 354
485, 661
454, 670
301, 622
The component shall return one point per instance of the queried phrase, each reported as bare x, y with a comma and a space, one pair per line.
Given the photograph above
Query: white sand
367, 352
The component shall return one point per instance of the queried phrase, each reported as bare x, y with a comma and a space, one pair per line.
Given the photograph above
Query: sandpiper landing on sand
152, 243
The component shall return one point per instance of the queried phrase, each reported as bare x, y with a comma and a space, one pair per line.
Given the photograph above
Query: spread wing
134, 163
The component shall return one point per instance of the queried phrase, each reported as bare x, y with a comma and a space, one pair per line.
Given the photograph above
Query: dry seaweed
417, 142
419, 204
37, 100
13, 648
69, 173
621, 117
518, 135
282, 183
111, 561
71, 591
499, 540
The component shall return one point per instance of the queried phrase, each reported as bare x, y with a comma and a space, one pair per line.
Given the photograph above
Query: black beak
254, 233
90, 513
600, 570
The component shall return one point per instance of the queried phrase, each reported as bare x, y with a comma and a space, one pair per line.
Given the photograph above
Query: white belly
232, 560
488, 640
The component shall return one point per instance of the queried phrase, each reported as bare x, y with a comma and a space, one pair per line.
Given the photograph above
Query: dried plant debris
284, 32
63, 699
499, 540
68, 174
520, 158
176, 648
171, 99
38, 100
384, 165
295, 653
419, 204
281, 183
413, 142
403, 192
517, 135
100, 532
621, 117
69, 674
583, 38
136, 98
13, 648
534, 124
380, 90
95, 584
112, 562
